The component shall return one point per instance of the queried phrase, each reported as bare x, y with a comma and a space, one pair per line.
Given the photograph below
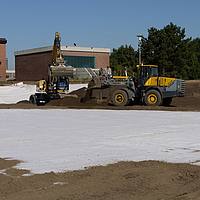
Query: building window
80, 61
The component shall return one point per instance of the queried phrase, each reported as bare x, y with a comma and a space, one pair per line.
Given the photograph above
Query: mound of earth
75, 99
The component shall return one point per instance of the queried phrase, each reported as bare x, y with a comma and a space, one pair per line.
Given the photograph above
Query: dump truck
58, 78
147, 87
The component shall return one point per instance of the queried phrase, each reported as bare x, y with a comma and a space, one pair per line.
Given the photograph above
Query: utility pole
139, 46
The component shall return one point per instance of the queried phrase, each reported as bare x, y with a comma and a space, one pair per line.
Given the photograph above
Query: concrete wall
3, 42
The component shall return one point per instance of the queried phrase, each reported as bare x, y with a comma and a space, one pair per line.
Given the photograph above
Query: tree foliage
168, 48
194, 59
124, 56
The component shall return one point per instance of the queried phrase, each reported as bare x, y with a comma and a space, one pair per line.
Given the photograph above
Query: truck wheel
153, 98
120, 98
167, 101
32, 99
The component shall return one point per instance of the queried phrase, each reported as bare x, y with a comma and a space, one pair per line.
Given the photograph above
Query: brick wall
102, 60
32, 67
3, 59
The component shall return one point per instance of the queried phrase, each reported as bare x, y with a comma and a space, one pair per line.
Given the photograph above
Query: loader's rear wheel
120, 98
32, 99
153, 98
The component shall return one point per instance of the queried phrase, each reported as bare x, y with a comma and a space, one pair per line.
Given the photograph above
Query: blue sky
91, 23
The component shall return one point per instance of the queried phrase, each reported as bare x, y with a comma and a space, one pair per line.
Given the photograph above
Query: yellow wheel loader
58, 78
147, 87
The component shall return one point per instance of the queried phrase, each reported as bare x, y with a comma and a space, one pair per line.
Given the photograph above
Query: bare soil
124, 180
152, 180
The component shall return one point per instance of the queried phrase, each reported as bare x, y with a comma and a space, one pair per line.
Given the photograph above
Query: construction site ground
124, 180
191, 102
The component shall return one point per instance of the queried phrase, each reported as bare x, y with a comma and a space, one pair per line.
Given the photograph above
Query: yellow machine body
148, 76
58, 77
42, 86
148, 87
58, 73
159, 81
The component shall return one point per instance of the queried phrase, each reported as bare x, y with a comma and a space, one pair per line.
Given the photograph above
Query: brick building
32, 64
3, 42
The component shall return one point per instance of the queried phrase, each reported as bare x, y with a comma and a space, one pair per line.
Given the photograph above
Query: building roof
35, 50
63, 48
85, 49
3, 41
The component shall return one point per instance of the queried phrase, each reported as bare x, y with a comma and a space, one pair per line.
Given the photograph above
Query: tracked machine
58, 78
147, 87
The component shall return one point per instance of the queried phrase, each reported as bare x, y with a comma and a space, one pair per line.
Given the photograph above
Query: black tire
128, 102
120, 98
47, 98
38, 102
32, 99
167, 101
152, 98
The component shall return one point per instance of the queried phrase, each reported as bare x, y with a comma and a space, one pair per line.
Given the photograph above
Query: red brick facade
3, 42
34, 66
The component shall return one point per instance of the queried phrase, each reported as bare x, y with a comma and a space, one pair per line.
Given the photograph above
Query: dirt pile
124, 180
74, 99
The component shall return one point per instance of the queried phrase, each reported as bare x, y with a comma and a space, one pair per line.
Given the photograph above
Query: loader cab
145, 72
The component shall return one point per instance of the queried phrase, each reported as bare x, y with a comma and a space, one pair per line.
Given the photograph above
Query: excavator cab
63, 84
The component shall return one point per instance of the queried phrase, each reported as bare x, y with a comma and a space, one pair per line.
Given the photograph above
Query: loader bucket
95, 82
97, 89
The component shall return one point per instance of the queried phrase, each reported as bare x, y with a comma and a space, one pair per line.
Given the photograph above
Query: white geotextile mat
61, 140
19, 92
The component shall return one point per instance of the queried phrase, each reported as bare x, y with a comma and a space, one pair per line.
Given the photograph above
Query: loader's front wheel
152, 98
120, 98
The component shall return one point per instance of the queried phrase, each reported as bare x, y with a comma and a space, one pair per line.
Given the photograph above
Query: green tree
194, 59
124, 56
167, 48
